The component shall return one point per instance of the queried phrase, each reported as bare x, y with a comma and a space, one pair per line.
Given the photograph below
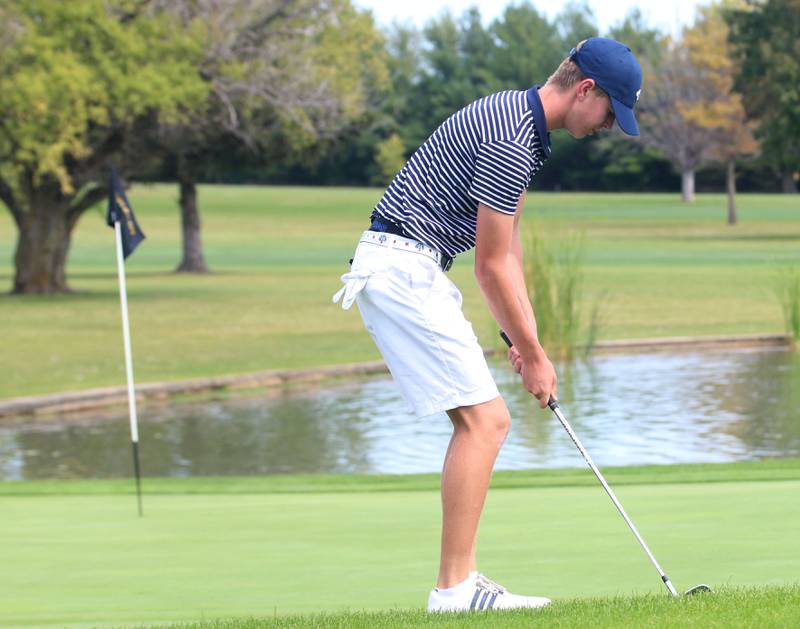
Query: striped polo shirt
486, 153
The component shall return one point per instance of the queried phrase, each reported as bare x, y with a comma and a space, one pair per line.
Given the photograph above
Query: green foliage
457, 71
283, 85
766, 45
351, 56
404, 61
575, 23
78, 70
643, 40
554, 277
390, 158
454, 60
528, 47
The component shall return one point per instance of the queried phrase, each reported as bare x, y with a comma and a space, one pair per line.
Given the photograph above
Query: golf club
557, 411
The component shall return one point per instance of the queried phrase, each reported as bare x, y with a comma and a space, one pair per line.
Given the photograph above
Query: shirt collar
535, 103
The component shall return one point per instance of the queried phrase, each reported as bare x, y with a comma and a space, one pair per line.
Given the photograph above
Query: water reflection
627, 409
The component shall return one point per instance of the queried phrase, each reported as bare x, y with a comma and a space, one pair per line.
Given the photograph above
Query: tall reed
788, 292
554, 279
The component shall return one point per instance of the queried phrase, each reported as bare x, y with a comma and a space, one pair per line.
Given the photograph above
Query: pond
627, 409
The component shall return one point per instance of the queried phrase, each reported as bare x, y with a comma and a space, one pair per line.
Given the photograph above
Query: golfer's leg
473, 550
478, 434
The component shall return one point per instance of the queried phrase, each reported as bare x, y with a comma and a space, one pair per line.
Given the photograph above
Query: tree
455, 70
575, 23
646, 43
671, 89
719, 111
528, 48
81, 79
766, 47
284, 76
11, 29
404, 61
390, 159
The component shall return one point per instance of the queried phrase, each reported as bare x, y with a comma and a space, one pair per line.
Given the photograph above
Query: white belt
401, 243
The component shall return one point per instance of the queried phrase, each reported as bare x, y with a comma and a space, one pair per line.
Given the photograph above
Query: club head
696, 589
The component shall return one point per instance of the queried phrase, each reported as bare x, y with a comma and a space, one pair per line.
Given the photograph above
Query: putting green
87, 559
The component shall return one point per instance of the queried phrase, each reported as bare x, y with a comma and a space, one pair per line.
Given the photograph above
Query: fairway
658, 267
225, 553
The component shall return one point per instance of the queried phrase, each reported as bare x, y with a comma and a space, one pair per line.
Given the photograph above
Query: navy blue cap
616, 71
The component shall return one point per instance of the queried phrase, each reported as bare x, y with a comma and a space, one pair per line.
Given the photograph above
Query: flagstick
123, 300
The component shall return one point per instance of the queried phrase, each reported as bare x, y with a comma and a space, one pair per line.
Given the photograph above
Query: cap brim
625, 118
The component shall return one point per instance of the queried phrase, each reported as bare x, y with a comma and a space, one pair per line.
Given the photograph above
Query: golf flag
128, 236
119, 211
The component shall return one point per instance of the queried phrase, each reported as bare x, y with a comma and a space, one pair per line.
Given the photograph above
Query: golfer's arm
517, 268
498, 272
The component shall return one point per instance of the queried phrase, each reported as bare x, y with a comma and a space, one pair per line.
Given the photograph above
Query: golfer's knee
489, 421
502, 424
490, 425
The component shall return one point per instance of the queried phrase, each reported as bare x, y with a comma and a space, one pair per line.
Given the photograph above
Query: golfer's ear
584, 87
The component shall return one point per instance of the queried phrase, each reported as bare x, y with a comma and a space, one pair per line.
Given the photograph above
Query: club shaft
557, 411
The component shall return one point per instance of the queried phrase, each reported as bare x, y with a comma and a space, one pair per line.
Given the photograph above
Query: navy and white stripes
483, 599
484, 153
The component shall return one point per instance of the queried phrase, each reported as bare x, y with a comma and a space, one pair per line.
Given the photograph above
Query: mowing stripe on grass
765, 470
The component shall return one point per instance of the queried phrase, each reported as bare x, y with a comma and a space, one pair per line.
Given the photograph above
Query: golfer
464, 188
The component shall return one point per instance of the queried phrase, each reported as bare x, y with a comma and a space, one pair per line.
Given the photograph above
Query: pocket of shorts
421, 275
454, 291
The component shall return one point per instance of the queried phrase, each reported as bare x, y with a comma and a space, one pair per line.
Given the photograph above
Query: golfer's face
601, 112
596, 112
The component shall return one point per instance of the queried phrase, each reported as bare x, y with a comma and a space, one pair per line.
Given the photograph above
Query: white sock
459, 589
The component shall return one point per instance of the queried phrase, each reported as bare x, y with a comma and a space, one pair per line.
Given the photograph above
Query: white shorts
413, 312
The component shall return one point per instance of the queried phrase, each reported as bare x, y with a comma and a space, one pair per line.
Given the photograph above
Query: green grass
763, 470
259, 555
662, 267
728, 607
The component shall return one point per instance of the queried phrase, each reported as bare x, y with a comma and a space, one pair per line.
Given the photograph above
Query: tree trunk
730, 184
687, 186
193, 260
42, 246
789, 185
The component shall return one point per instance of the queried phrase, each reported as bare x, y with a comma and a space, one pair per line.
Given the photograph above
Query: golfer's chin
579, 133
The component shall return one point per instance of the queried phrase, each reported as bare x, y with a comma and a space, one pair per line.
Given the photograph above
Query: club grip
551, 402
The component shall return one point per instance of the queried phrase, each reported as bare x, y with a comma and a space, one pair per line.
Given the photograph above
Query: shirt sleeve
502, 172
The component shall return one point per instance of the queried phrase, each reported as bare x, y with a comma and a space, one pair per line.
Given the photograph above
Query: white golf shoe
478, 593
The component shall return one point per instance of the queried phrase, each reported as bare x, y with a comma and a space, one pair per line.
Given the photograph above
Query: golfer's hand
539, 379
515, 359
